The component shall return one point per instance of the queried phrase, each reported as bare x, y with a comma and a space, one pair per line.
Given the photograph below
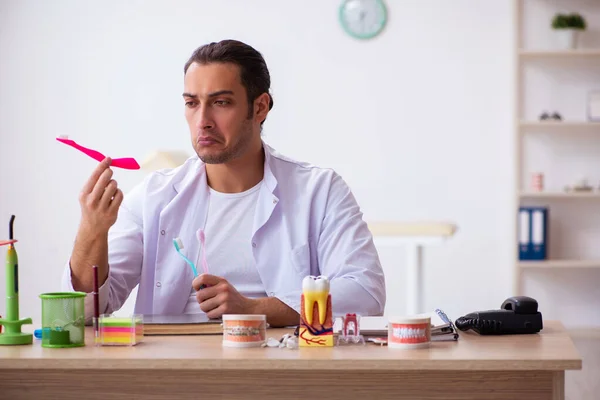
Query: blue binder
533, 233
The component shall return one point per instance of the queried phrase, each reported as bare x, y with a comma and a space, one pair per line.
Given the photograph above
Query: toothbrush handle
125, 163
204, 263
96, 155
191, 265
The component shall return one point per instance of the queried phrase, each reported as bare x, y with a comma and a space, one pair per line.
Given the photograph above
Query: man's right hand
100, 199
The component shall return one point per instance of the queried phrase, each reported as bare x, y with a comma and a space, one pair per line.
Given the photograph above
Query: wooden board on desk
181, 324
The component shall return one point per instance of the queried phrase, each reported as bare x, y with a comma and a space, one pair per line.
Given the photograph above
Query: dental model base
350, 330
316, 318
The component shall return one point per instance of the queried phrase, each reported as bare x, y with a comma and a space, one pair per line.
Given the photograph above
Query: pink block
116, 329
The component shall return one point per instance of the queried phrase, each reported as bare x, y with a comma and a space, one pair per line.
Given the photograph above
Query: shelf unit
559, 53
560, 264
559, 195
558, 126
524, 127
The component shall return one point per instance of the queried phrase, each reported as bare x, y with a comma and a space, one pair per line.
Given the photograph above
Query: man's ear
261, 107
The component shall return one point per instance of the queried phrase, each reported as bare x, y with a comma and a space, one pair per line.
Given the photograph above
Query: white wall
418, 121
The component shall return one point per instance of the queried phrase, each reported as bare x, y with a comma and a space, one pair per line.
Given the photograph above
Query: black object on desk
518, 315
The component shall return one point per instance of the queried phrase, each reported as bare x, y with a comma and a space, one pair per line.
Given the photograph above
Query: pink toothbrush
202, 239
125, 163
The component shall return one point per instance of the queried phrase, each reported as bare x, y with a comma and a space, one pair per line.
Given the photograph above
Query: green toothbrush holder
63, 319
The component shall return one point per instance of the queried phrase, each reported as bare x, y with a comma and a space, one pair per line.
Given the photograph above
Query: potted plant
568, 27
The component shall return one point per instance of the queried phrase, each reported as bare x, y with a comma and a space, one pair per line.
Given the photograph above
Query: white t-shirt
228, 234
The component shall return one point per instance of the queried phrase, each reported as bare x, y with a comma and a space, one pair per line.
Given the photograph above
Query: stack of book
182, 324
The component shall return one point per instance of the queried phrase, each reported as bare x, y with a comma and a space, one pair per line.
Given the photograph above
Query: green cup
63, 319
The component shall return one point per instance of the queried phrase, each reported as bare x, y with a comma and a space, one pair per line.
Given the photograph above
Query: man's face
216, 109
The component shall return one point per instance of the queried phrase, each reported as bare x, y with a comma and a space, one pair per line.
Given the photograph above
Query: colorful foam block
115, 331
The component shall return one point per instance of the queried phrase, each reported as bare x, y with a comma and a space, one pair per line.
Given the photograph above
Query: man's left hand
218, 297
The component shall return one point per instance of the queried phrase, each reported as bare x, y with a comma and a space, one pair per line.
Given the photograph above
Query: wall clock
363, 19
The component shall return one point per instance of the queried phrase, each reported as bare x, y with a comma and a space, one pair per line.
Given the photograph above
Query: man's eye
221, 102
190, 104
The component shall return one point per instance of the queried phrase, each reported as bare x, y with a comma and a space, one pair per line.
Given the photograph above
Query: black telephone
518, 315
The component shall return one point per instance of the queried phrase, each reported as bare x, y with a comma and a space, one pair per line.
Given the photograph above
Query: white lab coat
307, 222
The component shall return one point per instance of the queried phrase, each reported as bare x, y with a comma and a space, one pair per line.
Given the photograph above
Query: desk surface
550, 350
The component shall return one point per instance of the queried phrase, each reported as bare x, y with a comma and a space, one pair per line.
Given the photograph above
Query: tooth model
316, 321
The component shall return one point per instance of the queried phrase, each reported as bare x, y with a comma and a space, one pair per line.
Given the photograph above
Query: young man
268, 221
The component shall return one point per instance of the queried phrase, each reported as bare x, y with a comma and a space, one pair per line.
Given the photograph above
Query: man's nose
205, 120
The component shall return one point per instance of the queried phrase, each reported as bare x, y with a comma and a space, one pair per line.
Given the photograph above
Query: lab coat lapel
180, 218
267, 200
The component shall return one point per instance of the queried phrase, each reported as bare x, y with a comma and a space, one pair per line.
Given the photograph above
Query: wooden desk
476, 367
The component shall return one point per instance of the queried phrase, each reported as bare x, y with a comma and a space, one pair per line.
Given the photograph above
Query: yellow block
116, 339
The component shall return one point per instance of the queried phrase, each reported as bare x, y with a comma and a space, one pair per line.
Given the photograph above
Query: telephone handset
517, 315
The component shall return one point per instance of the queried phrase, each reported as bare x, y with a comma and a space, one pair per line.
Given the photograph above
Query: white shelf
559, 53
560, 195
582, 62
559, 125
560, 264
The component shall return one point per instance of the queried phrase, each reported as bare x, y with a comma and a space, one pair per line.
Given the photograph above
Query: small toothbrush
178, 243
125, 163
202, 240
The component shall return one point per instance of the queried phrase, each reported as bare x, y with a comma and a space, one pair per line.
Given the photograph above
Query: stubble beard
234, 152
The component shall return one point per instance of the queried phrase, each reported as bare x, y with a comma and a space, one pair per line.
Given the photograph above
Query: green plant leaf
568, 21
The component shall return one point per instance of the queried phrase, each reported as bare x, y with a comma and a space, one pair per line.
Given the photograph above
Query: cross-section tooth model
316, 319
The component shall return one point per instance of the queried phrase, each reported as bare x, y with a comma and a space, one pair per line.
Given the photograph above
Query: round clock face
363, 19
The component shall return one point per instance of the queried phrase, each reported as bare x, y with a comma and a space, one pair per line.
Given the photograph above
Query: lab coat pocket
300, 259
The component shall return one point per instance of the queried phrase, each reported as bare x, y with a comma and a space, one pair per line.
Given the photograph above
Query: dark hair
254, 73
